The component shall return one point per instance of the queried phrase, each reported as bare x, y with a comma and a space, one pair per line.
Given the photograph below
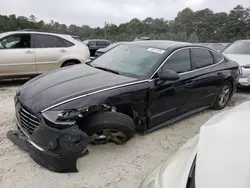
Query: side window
217, 57
66, 43
16, 41
201, 57
47, 41
102, 43
179, 62
92, 44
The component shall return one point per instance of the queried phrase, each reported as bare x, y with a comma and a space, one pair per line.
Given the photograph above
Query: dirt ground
108, 166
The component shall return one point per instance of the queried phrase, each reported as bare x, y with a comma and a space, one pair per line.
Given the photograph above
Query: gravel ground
108, 166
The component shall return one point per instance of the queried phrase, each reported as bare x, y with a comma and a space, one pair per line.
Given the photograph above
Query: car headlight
62, 119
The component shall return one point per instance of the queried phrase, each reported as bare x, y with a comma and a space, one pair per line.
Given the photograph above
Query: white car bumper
244, 79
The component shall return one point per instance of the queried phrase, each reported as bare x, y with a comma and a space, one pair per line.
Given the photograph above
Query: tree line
192, 26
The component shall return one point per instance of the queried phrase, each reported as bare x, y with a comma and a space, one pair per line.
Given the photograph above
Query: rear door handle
29, 52
63, 50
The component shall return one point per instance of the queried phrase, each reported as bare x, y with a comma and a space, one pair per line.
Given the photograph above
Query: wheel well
71, 60
230, 80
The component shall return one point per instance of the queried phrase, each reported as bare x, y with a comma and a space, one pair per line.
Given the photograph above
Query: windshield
130, 60
111, 46
238, 48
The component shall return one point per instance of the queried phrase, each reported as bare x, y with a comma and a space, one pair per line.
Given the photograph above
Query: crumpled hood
62, 84
241, 59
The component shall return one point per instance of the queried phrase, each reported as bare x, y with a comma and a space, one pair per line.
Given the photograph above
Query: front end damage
54, 149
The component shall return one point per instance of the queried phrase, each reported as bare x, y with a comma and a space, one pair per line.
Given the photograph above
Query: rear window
217, 57
102, 43
238, 48
66, 43
201, 58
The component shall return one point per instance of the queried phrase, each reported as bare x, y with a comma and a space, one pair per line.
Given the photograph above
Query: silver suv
25, 53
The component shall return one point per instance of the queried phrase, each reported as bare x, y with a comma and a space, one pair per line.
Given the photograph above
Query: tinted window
15, 41
66, 43
102, 43
217, 57
47, 41
179, 62
91, 43
201, 58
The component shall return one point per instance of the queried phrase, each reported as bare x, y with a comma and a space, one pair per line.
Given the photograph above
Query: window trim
34, 38
190, 47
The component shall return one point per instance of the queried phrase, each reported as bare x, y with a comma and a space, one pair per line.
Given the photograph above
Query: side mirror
165, 74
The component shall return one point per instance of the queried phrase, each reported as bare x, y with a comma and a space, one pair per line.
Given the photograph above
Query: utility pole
105, 30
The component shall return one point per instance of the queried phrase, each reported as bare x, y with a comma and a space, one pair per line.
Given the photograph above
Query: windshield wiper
106, 69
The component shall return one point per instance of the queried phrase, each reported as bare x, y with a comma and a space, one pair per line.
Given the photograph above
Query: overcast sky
96, 12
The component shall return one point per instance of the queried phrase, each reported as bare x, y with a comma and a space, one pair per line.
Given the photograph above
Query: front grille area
28, 121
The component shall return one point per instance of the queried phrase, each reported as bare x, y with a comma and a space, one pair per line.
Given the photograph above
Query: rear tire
110, 127
223, 96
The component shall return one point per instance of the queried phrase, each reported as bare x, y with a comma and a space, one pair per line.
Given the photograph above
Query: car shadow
12, 82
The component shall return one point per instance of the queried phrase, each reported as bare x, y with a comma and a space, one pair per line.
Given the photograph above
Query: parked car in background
142, 38
216, 46
29, 53
141, 85
104, 50
217, 157
239, 52
96, 44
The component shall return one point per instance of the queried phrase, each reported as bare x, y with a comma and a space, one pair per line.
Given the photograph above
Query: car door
50, 52
17, 55
206, 78
166, 98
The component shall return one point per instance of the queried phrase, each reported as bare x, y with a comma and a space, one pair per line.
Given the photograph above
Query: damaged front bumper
56, 150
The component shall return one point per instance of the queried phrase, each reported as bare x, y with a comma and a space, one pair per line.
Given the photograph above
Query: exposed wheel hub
109, 135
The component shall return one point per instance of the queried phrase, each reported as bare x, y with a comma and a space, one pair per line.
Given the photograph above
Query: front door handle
63, 50
189, 84
29, 52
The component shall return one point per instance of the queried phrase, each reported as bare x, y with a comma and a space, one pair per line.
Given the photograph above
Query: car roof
162, 44
37, 32
242, 41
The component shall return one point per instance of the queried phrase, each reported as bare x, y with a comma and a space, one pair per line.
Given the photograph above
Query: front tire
110, 127
223, 96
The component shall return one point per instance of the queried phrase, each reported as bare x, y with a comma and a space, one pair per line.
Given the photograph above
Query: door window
15, 41
47, 41
179, 61
201, 58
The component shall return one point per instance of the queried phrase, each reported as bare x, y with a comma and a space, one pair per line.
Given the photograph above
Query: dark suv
94, 45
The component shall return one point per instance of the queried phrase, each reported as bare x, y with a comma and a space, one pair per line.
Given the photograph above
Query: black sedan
141, 86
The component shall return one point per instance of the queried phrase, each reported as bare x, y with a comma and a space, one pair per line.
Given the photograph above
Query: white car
25, 53
239, 52
218, 157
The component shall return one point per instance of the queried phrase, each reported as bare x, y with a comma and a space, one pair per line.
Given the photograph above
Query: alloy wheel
224, 95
